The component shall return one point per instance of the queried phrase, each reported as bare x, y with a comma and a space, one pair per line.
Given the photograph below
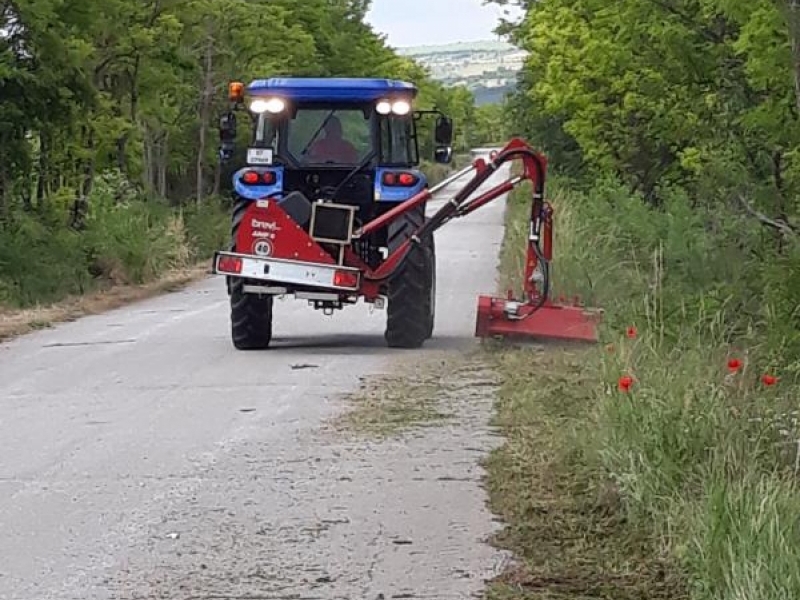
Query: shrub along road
142, 456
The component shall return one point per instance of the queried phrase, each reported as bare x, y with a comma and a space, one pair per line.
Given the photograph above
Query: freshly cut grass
408, 398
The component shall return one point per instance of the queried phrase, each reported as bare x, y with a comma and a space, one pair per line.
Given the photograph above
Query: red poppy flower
625, 383
734, 365
631, 333
768, 379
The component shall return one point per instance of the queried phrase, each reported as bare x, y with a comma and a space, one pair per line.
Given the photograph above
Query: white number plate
259, 156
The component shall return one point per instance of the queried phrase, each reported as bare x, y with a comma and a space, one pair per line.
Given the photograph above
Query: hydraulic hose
545, 277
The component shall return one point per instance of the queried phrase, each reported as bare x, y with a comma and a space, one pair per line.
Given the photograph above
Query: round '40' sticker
262, 248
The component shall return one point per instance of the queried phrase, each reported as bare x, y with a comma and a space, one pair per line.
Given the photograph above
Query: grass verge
683, 485
566, 521
16, 322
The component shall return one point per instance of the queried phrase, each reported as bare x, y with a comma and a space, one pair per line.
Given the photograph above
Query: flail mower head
509, 318
535, 316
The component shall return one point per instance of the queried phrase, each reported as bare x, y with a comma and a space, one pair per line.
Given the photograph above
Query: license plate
259, 156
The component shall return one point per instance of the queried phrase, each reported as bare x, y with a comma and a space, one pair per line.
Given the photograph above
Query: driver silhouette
333, 147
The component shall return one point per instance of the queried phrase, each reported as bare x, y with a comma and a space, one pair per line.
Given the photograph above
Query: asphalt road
141, 456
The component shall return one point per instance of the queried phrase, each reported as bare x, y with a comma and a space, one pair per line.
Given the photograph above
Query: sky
424, 22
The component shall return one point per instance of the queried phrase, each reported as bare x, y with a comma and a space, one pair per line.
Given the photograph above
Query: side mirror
227, 136
444, 131
443, 155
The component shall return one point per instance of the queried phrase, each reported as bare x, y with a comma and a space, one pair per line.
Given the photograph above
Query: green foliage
700, 94
693, 107
41, 262
126, 239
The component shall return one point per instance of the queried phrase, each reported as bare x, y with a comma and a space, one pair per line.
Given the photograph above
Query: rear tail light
406, 179
229, 264
403, 179
346, 279
256, 178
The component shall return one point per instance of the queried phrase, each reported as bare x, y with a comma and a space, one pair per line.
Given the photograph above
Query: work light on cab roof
271, 95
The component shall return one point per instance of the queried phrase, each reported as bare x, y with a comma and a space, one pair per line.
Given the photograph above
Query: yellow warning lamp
236, 91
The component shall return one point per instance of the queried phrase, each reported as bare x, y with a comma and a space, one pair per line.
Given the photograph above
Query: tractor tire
251, 318
409, 319
412, 289
251, 314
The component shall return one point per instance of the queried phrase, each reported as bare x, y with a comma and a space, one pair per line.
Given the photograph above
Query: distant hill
488, 68
479, 46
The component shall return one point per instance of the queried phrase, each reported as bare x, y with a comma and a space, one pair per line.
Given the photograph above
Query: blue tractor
327, 203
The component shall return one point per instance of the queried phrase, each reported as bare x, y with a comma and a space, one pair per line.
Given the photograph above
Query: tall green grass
126, 239
705, 460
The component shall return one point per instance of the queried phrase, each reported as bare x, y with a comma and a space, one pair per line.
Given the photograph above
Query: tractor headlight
272, 105
384, 107
398, 107
401, 107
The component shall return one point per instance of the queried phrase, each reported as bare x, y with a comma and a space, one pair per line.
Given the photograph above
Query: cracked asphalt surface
141, 456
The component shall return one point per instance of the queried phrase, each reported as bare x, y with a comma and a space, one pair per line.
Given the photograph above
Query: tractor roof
330, 88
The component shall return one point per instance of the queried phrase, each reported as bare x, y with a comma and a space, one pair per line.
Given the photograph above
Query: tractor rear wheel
251, 314
412, 289
411, 302
251, 318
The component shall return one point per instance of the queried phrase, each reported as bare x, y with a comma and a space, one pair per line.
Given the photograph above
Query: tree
701, 94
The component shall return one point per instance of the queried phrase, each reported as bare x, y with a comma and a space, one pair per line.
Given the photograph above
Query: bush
127, 239
435, 172
41, 262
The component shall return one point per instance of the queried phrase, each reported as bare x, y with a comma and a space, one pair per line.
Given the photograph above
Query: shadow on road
356, 343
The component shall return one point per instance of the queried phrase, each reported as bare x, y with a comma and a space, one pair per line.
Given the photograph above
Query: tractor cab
338, 140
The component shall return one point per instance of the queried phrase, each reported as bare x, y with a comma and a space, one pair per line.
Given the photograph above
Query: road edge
19, 322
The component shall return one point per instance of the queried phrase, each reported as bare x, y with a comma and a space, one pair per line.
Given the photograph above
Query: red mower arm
535, 315
534, 170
